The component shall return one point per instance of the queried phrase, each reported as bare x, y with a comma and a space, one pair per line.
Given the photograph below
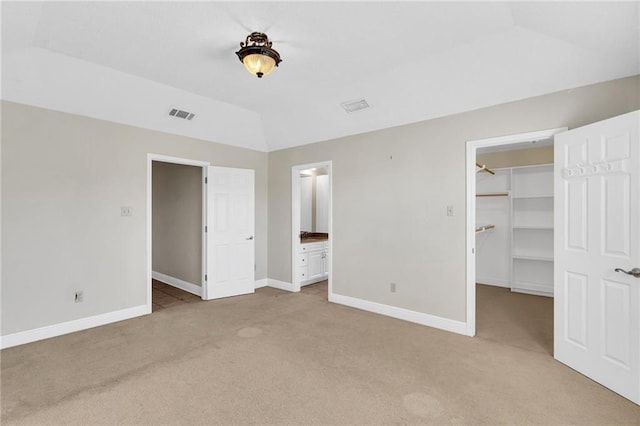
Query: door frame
295, 221
472, 147
187, 162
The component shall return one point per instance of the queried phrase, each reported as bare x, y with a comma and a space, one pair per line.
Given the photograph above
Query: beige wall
64, 179
177, 221
517, 157
391, 189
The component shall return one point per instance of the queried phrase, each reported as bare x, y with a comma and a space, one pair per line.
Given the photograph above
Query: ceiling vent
353, 106
178, 113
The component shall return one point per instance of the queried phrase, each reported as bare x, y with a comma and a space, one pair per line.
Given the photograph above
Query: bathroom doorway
311, 242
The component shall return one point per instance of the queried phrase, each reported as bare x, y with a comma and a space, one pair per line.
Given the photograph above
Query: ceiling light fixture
257, 55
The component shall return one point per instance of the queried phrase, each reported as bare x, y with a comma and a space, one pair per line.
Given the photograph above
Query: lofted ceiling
131, 62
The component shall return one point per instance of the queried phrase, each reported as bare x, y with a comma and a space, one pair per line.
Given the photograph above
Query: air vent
178, 113
353, 106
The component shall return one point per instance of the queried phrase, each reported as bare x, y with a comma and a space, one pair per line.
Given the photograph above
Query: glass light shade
258, 64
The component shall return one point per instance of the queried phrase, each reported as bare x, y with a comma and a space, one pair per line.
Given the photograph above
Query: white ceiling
130, 62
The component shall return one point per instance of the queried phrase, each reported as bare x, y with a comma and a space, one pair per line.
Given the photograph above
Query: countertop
313, 239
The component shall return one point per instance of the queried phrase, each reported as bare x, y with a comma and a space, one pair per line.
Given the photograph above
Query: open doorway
311, 229
176, 209
177, 226
226, 229
510, 236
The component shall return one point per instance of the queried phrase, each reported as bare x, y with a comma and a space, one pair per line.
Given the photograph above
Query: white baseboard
282, 285
262, 283
401, 313
176, 282
496, 282
28, 336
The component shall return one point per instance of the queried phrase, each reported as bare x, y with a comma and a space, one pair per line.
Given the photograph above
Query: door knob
250, 238
635, 272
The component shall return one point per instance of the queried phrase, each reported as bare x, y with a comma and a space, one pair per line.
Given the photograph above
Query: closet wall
493, 246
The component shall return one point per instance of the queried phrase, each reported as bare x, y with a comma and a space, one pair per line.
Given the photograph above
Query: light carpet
283, 358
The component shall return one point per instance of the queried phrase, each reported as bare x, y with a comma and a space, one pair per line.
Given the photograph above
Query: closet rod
484, 228
493, 194
484, 168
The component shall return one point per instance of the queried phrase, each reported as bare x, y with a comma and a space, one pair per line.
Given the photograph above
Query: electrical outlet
449, 210
126, 211
79, 296
392, 287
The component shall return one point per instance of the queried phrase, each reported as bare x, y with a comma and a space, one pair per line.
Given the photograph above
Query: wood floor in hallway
165, 296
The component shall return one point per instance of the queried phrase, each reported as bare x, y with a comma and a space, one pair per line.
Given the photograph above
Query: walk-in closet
514, 241
514, 211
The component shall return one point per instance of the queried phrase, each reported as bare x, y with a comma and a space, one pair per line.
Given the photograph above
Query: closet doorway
510, 270
311, 241
225, 228
178, 208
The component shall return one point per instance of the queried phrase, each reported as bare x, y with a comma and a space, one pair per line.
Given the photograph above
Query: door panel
576, 309
615, 220
315, 264
230, 236
615, 306
597, 216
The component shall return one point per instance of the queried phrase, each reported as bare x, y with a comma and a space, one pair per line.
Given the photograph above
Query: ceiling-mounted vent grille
353, 106
186, 115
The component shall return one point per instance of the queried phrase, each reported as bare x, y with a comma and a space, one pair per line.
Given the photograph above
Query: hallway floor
164, 296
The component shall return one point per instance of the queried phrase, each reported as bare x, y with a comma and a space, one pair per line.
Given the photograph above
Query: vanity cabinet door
316, 264
325, 261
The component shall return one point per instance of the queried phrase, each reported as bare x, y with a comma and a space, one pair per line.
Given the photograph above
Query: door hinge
205, 277
205, 228
206, 180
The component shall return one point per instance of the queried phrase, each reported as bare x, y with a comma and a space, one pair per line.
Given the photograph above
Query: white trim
281, 285
472, 146
262, 283
176, 160
178, 283
496, 282
517, 138
401, 313
28, 336
295, 220
205, 235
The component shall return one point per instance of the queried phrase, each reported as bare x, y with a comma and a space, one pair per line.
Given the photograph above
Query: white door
597, 222
230, 232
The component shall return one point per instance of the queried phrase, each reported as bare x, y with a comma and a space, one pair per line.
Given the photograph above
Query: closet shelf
524, 197
536, 258
537, 228
482, 228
